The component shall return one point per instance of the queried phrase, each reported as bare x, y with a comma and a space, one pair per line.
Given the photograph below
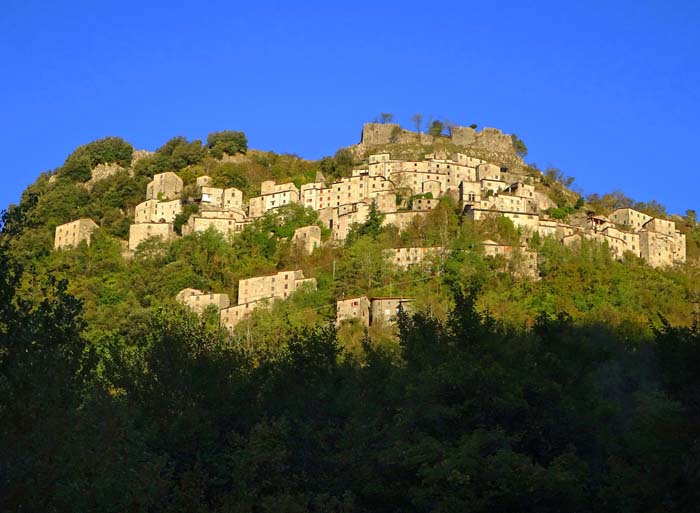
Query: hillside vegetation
574, 392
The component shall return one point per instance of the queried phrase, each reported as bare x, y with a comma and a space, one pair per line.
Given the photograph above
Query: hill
421, 322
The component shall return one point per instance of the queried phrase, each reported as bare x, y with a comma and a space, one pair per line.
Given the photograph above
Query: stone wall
73, 233
378, 134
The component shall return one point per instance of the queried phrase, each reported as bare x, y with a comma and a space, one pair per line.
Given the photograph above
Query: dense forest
574, 392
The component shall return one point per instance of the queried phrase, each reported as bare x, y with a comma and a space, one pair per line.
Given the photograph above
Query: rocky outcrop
102, 171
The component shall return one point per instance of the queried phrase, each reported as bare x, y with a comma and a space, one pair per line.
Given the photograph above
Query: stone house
165, 186
621, 241
154, 211
406, 257
313, 193
491, 184
660, 226
630, 218
308, 237
528, 222
468, 161
489, 172
420, 182
554, 228
221, 199
73, 233
518, 260
260, 291
140, 232
347, 215
423, 204
279, 285
355, 189
353, 308
199, 301
272, 196
660, 244
470, 192
223, 221
386, 309
506, 203
229, 317
658, 249
401, 219
203, 181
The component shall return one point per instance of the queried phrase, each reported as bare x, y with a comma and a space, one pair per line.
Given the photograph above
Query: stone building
527, 222
260, 291
154, 211
203, 181
422, 204
143, 231
407, 257
386, 309
221, 199
272, 196
199, 301
345, 217
358, 188
73, 233
279, 285
488, 171
165, 186
226, 222
517, 260
308, 237
353, 308
630, 218
506, 203
658, 249
401, 219
553, 228
659, 242
229, 317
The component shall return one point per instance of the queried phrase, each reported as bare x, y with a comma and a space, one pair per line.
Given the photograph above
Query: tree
395, 135
230, 142
386, 117
371, 227
110, 150
417, 121
519, 146
436, 128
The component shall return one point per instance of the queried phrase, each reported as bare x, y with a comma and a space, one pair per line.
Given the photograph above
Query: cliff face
378, 134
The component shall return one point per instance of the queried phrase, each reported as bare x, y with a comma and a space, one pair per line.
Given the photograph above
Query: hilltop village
399, 189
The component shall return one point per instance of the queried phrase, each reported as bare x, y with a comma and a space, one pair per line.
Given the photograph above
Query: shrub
227, 141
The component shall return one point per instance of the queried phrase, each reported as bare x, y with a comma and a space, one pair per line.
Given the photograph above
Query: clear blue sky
606, 91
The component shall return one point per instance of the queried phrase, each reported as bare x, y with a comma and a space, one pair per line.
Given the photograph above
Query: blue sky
606, 91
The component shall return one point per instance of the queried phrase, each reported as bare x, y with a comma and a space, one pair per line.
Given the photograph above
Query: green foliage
180, 220
436, 128
519, 146
229, 142
79, 164
560, 212
574, 392
370, 228
338, 166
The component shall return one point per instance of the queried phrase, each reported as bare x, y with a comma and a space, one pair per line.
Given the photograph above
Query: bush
519, 146
79, 164
227, 141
